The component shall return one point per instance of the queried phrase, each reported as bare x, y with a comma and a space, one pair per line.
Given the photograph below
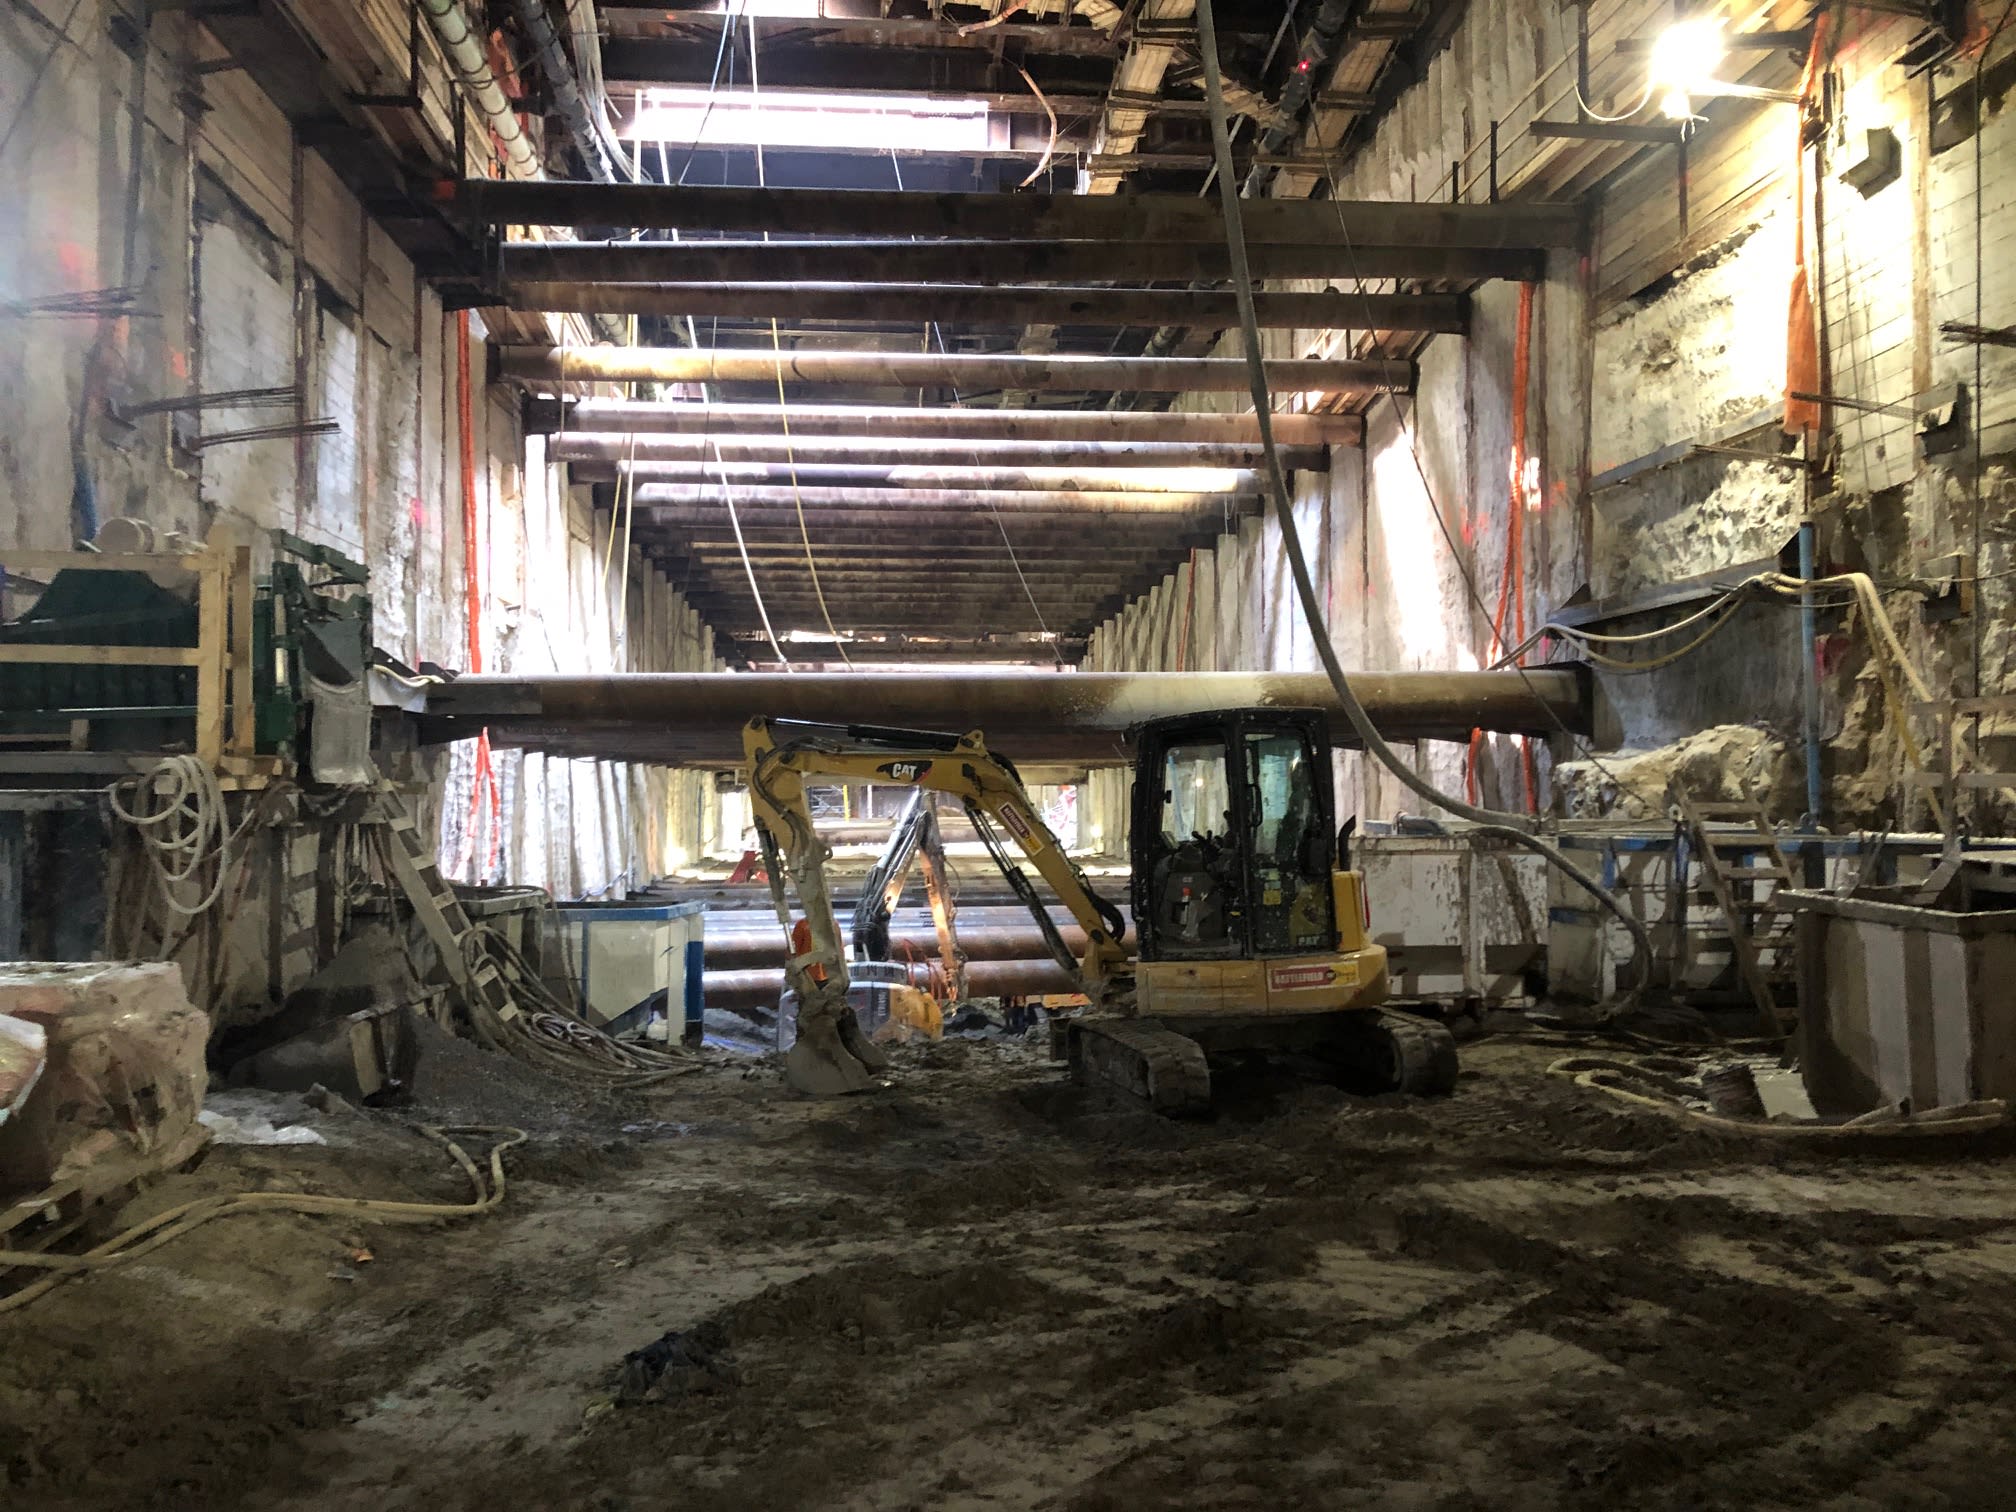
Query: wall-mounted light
1684, 60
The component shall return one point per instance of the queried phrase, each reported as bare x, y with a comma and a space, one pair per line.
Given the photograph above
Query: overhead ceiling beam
906, 527
991, 262
978, 541
833, 66
621, 56
679, 417
962, 370
923, 502
1014, 482
970, 304
897, 450
1514, 226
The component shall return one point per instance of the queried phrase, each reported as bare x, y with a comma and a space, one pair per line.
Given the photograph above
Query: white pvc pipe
472, 66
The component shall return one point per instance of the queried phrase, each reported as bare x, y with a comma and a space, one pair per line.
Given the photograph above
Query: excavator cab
1250, 923
1234, 844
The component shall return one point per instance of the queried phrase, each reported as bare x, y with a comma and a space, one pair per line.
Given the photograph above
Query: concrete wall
1673, 330
257, 268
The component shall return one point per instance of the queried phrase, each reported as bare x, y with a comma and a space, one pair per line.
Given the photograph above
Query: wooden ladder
479, 983
1746, 892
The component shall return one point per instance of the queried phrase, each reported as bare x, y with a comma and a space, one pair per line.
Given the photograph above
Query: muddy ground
984, 1288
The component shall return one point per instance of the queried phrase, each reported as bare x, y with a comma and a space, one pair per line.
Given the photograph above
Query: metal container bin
633, 962
1899, 1002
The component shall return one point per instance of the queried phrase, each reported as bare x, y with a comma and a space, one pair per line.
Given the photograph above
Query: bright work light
1684, 60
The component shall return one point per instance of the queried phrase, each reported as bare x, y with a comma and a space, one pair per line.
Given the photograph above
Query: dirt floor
984, 1288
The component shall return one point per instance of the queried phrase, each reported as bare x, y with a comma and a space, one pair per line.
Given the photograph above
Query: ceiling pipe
962, 370
686, 418
697, 717
901, 451
915, 504
1005, 306
1234, 485
471, 63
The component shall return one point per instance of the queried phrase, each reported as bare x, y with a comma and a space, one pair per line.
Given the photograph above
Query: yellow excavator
1251, 924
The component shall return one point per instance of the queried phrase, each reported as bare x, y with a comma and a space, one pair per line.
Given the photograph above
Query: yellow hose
162, 1228
1588, 1069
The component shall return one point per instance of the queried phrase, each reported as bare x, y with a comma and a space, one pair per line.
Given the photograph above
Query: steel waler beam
910, 370
990, 262
872, 303
882, 213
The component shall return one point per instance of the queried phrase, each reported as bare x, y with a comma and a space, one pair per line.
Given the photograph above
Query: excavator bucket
831, 1057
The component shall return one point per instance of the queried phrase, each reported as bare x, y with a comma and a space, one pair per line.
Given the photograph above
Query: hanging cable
1514, 827
932, 332
748, 567
783, 406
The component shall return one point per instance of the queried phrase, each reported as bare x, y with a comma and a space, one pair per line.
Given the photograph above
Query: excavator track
1421, 1054
1162, 1068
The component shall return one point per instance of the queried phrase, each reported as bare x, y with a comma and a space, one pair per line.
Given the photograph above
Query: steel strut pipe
963, 370
696, 718
870, 423
762, 988
1005, 306
663, 499
988, 262
1230, 484
910, 451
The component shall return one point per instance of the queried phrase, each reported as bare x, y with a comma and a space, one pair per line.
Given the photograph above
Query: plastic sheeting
125, 1075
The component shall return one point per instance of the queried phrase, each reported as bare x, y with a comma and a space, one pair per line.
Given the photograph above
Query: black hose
1517, 828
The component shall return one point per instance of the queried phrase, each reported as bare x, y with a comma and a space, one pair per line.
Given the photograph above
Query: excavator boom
831, 1054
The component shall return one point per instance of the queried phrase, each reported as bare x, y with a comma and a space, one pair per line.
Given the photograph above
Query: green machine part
311, 620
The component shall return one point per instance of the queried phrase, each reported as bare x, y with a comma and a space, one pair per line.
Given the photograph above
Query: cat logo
904, 771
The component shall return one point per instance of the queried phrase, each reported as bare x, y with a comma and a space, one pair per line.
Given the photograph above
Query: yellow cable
163, 1228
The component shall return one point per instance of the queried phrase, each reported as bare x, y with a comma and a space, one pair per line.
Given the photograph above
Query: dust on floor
987, 1289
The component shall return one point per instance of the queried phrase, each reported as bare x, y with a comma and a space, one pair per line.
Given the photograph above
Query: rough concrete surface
1727, 764
984, 1288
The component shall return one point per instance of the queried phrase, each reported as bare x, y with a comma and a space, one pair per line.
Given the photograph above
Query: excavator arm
831, 1054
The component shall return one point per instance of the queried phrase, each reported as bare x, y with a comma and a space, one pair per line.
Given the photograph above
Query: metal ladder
479, 983
1747, 894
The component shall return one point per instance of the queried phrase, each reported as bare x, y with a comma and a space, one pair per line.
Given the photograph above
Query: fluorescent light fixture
809, 119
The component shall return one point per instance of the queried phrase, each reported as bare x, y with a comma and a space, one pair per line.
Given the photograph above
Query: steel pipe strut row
1009, 307
874, 421
910, 370
918, 451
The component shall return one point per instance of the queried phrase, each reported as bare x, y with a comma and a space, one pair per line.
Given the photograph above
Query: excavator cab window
1232, 836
